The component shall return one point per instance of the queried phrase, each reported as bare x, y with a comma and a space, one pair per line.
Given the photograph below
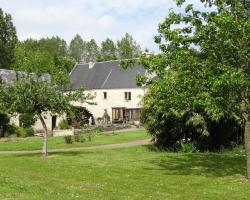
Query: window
127, 96
105, 95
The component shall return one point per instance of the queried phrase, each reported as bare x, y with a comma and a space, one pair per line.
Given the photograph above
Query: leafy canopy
128, 48
204, 65
43, 55
8, 40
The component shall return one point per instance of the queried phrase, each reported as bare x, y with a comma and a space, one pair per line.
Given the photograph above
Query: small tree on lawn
36, 94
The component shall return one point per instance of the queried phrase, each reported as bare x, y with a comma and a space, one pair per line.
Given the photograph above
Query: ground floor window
125, 114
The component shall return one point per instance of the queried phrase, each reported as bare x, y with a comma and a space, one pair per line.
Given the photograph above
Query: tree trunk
45, 136
247, 145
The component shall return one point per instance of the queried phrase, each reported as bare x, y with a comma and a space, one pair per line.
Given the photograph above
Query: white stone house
114, 88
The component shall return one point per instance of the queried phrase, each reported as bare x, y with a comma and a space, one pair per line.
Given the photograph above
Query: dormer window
127, 96
105, 95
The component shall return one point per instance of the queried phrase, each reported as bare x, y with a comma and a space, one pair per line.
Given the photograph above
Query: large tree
76, 48
53, 49
91, 52
128, 48
108, 50
203, 69
8, 40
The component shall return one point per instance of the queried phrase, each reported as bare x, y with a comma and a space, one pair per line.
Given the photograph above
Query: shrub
167, 130
186, 146
90, 138
27, 120
64, 125
11, 130
29, 132
82, 138
68, 139
21, 132
98, 129
78, 138
4, 119
85, 126
15, 130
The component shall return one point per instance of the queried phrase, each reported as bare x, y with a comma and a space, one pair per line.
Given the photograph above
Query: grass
35, 143
120, 174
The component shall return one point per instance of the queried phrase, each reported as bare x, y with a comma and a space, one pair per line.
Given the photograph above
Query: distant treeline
53, 53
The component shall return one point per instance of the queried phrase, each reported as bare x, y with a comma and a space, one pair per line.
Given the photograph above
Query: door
54, 117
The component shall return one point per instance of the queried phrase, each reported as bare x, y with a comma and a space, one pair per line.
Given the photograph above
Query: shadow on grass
204, 164
71, 153
51, 154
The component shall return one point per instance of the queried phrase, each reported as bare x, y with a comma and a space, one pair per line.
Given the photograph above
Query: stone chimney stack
91, 64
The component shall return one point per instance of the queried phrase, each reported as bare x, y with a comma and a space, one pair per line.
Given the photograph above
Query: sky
96, 19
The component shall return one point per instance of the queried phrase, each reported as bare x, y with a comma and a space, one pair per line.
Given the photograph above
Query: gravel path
107, 146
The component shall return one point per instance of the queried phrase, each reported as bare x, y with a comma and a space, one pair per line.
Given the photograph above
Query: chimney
91, 64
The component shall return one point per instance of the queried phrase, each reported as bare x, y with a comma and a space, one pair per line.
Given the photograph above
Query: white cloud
106, 22
91, 19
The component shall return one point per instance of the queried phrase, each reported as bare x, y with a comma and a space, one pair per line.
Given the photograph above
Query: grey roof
105, 75
10, 75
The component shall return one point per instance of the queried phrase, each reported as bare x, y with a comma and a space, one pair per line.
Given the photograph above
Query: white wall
38, 125
115, 98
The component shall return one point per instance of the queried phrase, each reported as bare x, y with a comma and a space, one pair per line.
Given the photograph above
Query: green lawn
128, 173
35, 143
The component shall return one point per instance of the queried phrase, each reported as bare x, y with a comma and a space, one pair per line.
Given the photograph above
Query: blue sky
96, 19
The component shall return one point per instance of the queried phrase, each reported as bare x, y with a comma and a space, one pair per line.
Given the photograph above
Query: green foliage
27, 120
68, 139
32, 93
98, 129
93, 129
81, 138
128, 48
44, 56
32, 59
40, 94
12, 129
186, 146
29, 132
77, 137
86, 51
4, 119
15, 130
76, 48
91, 51
63, 124
8, 40
202, 74
108, 50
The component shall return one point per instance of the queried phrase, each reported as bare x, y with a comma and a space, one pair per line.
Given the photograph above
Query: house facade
117, 97
116, 92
